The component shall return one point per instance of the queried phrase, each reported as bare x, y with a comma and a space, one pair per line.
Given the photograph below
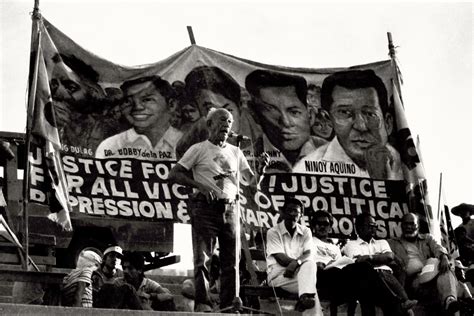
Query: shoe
305, 302
202, 308
451, 305
409, 304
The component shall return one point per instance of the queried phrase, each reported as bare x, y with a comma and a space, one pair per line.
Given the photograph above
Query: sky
433, 39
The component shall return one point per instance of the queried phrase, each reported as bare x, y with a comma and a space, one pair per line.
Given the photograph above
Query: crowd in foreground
395, 274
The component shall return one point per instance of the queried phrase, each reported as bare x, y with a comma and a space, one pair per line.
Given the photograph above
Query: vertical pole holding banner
32, 81
439, 193
418, 172
191, 35
391, 48
393, 57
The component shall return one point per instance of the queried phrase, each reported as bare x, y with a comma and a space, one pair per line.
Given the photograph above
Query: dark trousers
207, 227
359, 282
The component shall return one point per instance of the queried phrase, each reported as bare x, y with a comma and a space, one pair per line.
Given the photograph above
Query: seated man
344, 281
413, 251
289, 260
107, 272
465, 237
77, 285
134, 290
152, 294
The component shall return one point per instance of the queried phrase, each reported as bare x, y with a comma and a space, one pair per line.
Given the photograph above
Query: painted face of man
190, 113
322, 125
220, 125
358, 121
284, 118
144, 106
71, 93
314, 98
208, 99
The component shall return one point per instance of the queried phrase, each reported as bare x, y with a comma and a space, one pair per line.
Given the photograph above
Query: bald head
215, 112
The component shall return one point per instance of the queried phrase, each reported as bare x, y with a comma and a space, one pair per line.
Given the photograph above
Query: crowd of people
97, 282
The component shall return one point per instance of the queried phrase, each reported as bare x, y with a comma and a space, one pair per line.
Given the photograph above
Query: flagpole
439, 194
393, 56
420, 182
32, 82
191, 35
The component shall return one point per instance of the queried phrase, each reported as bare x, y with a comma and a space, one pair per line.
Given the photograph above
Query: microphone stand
237, 305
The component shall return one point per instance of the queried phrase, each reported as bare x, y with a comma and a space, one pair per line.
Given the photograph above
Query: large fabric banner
332, 134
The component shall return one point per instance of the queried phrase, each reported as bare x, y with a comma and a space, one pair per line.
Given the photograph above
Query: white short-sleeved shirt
325, 251
215, 166
130, 144
359, 247
280, 241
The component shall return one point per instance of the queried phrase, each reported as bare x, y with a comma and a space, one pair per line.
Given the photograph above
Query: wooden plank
265, 291
20, 309
6, 289
32, 276
162, 262
13, 258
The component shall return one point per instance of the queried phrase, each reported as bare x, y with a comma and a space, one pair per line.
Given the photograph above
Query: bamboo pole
393, 56
439, 193
191, 35
32, 81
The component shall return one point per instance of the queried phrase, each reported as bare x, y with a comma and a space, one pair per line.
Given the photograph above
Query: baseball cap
116, 249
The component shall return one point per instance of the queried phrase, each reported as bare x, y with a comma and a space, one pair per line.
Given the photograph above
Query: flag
44, 128
414, 174
7, 233
448, 239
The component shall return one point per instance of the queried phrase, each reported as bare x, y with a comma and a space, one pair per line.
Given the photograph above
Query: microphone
238, 136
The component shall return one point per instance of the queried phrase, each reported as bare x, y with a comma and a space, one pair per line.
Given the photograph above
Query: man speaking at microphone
214, 164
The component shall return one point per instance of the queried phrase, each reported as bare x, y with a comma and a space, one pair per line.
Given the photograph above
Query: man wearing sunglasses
342, 281
357, 103
378, 253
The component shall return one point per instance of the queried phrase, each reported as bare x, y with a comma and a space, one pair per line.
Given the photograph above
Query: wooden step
6, 299
6, 290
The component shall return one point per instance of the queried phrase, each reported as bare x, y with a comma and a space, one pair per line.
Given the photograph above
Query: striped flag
44, 128
413, 170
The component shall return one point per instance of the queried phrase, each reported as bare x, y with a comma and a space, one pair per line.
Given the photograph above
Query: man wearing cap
419, 254
107, 272
465, 234
290, 263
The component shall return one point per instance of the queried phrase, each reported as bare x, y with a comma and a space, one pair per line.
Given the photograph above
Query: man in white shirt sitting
290, 263
376, 252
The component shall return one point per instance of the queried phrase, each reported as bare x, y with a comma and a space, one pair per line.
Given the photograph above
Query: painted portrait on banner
331, 134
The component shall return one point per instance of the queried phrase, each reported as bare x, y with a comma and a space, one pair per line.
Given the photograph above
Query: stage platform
36, 310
